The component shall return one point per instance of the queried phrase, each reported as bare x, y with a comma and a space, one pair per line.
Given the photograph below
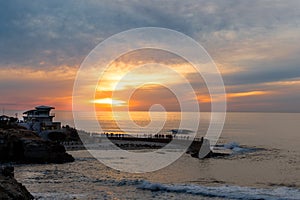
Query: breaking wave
227, 192
235, 148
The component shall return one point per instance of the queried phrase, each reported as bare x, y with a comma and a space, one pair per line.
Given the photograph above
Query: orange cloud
24, 88
64, 72
246, 94
204, 98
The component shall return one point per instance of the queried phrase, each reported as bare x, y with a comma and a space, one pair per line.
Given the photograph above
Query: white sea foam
231, 192
231, 145
236, 148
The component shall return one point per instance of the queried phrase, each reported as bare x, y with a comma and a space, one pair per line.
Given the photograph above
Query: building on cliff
40, 120
4, 118
6, 121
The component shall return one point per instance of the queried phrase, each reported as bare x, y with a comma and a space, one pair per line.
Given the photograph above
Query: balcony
40, 115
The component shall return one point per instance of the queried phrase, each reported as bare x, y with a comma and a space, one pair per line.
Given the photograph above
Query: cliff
10, 188
24, 146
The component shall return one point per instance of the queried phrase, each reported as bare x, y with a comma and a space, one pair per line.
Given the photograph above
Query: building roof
28, 111
39, 108
44, 107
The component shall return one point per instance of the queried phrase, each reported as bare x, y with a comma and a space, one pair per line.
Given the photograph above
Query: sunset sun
109, 102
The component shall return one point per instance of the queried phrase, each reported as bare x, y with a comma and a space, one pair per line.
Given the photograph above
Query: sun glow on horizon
109, 101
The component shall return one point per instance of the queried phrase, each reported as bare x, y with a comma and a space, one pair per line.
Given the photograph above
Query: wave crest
232, 192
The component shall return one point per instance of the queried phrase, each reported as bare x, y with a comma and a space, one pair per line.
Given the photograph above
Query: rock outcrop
10, 189
201, 149
24, 146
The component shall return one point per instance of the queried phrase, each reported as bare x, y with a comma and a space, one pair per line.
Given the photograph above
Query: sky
255, 45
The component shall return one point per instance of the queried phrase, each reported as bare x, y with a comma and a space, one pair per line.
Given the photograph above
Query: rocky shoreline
18, 145
24, 146
10, 189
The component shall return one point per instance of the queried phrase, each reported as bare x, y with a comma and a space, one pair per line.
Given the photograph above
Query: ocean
264, 163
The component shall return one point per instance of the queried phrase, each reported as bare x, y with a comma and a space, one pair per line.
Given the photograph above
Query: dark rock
9, 187
24, 146
201, 149
7, 171
195, 147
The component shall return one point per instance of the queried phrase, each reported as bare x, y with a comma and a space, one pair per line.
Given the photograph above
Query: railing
148, 136
41, 115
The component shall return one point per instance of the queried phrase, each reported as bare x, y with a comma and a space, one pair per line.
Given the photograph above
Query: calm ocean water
265, 164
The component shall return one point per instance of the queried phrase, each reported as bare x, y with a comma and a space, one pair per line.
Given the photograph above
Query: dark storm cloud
59, 32
265, 72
